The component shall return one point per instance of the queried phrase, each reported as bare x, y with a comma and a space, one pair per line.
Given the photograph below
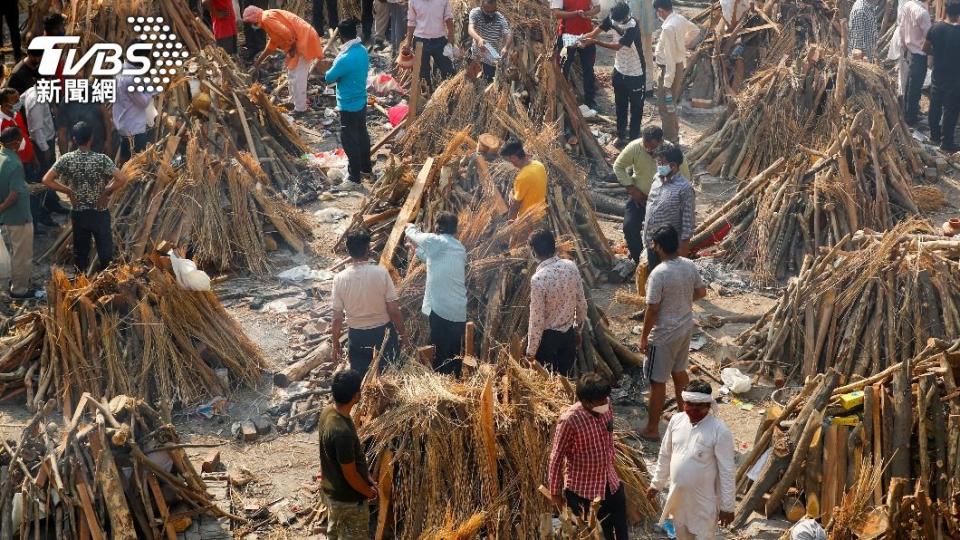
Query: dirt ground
281, 468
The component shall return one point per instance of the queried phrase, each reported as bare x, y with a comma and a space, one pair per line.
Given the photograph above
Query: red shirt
583, 454
223, 26
26, 153
576, 25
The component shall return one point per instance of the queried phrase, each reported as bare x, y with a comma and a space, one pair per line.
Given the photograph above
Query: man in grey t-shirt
673, 287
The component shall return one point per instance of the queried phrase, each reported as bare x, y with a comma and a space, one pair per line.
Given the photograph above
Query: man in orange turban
293, 35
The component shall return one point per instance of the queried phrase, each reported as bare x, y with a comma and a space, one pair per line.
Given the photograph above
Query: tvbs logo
151, 61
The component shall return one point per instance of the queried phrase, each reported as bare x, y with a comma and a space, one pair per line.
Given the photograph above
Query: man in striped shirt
672, 201
582, 459
488, 28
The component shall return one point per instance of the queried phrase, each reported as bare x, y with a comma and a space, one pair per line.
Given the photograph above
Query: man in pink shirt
431, 22
558, 306
914, 22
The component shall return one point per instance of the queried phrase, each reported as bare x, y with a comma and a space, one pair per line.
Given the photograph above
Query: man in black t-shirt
27, 71
346, 481
942, 44
629, 70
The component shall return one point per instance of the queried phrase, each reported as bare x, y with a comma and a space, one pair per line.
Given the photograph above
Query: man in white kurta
696, 461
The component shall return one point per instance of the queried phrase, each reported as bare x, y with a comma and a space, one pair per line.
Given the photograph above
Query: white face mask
602, 409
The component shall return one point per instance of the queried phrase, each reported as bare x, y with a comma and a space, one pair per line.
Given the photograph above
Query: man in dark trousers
575, 24
325, 16
349, 72
430, 22
345, 477
88, 179
10, 12
943, 44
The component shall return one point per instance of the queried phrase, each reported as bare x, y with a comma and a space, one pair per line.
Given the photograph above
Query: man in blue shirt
349, 72
445, 297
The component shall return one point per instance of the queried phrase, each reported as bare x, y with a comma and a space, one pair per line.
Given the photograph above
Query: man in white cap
696, 461
807, 529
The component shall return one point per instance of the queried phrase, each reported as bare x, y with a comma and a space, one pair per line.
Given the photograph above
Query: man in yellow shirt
530, 185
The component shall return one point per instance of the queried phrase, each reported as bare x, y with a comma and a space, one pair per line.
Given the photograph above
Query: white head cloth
807, 529
696, 397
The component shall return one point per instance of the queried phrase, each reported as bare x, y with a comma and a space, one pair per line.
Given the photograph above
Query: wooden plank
828, 488
86, 503
415, 83
162, 506
246, 128
410, 208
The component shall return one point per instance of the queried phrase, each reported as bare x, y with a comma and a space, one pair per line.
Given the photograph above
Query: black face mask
489, 17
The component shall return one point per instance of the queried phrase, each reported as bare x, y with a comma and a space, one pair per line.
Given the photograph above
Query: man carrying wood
88, 178
674, 285
345, 478
670, 55
288, 33
349, 73
696, 461
15, 213
530, 184
558, 307
671, 201
581, 466
636, 168
445, 296
364, 295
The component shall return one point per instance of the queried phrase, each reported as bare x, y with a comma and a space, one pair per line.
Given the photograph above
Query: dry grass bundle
800, 108
928, 198
115, 470
470, 454
130, 330
864, 309
875, 458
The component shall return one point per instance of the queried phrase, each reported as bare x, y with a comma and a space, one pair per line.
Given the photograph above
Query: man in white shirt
670, 55
696, 462
130, 116
913, 20
558, 306
364, 297
431, 22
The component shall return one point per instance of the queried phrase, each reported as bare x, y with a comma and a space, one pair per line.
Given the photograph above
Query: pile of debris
116, 470
131, 330
762, 34
804, 108
461, 181
877, 456
861, 306
498, 423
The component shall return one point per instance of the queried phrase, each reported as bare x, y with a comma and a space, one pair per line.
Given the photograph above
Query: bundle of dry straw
115, 470
130, 330
861, 306
472, 452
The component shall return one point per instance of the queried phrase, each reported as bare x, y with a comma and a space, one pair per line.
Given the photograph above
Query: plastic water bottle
669, 529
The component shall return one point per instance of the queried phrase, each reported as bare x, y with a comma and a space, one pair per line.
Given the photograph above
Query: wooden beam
415, 82
410, 208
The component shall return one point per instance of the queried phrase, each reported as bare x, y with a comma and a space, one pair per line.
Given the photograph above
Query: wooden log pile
114, 469
861, 306
764, 34
461, 181
98, 21
130, 330
796, 108
877, 457
498, 422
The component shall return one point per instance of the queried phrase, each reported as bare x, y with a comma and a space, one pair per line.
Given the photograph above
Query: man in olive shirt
640, 155
346, 482
15, 213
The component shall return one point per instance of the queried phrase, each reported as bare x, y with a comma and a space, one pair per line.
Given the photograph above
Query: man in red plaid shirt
581, 462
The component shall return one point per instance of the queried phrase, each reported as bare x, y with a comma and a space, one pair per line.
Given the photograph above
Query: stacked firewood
762, 35
861, 306
130, 330
877, 456
800, 108
461, 181
98, 21
115, 470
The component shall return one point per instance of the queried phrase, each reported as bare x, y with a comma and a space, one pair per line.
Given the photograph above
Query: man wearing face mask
582, 459
696, 462
671, 201
629, 70
670, 55
672, 288
636, 168
15, 213
11, 115
488, 28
